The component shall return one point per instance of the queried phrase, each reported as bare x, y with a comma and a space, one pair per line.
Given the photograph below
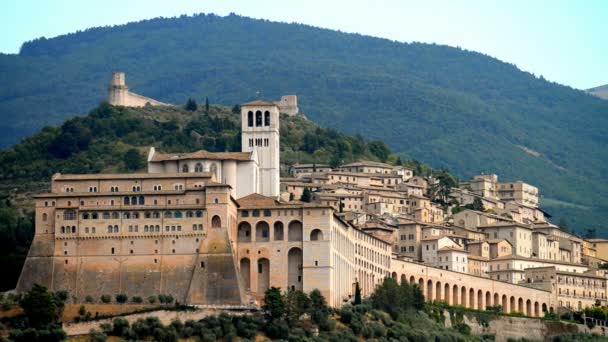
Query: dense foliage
446, 106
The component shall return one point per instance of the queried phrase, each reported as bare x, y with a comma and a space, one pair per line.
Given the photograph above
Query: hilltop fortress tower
119, 94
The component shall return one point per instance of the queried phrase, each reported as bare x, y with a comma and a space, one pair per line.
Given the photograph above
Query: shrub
39, 306
105, 298
88, 299
462, 328
120, 325
137, 299
96, 336
152, 299
82, 310
121, 298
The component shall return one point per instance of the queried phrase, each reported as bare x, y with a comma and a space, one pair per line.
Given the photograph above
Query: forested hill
441, 105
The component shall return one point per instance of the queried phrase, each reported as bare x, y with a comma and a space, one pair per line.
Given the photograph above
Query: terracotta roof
295, 166
259, 103
451, 248
202, 154
477, 257
257, 201
364, 174
105, 176
367, 163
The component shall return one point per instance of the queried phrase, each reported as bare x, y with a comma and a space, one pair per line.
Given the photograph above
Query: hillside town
222, 228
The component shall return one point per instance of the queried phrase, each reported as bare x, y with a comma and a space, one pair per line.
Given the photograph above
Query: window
126, 200
258, 118
216, 222
250, 119
266, 118
245, 213
69, 215
185, 168
267, 213
199, 213
44, 217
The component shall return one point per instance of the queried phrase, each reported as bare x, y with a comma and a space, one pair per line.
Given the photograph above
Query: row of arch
261, 233
258, 118
198, 167
258, 280
454, 294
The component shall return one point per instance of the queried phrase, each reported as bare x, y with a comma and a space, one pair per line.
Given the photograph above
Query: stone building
119, 94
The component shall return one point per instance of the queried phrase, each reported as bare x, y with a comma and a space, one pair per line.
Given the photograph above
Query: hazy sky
565, 41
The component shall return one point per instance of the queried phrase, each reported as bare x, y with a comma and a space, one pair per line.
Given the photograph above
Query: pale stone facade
119, 94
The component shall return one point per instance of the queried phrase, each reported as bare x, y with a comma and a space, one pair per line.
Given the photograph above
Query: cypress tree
357, 294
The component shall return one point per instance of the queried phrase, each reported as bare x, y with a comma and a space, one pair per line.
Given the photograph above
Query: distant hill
601, 91
445, 106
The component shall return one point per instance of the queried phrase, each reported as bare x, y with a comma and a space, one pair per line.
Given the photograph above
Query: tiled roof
259, 103
117, 176
202, 154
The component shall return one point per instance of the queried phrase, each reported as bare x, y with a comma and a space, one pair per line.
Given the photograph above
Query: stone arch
412, 280
463, 296
394, 276
245, 267
480, 300
446, 293
544, 307
263, 275
528, 308
488, 300
317, 235
455, 298
421, 286
295, 261
429, 290
198, 167
471, 298
520, 305
185, 168
278, 231
403, 279
262, 232
216, 222
244, 232
294, 231
266, 118
438, 291
536, 310
496, 301
505, 307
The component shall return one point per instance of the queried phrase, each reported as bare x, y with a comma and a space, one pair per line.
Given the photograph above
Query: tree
133, 160
296, 304
191, 105
379, 149
291, 196
206, 105
318, 307
357, 294
274, 303
236, 109
39, 306
306, 195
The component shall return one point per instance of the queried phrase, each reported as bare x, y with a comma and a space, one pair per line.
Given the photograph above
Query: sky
565, 41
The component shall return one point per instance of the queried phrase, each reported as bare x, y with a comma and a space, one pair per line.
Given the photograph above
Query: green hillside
445, 106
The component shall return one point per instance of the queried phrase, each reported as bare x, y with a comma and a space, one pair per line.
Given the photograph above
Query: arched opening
245, 266
198, 167
250, 119
544, 306
455, 299
412, 280
262, 232
488, 299
480, 300
266, 118
244, 232
394, 276
536, 313
278, 231
429, 290
505, 308
520, 305
294, 231
438, 291
446, 293
216, 222
463, 296
403, 279
258, 118
185, 168
263, 275
294, 262
528, 308
317, 235
471, 298
421, 286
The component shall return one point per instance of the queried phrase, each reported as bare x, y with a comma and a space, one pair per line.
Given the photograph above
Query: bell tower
260, 133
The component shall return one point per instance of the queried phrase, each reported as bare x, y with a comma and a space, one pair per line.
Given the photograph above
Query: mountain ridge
445, 106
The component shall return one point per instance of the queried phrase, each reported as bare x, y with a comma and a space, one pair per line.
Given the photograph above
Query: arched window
250, 119
266, 118
126, 215
316, 235
44, 217
177, 214
115, 229
198, 167
156, 214
134, 200
147, 214
189, 214
115, 215
185, 168
126, 200
278, 231
168, 214
199, 213
69, 215
258, 118
141, 200
216, 222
